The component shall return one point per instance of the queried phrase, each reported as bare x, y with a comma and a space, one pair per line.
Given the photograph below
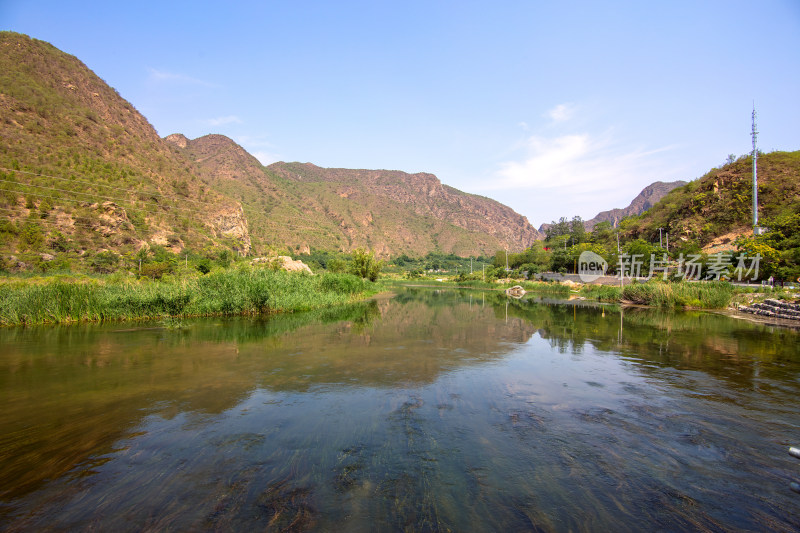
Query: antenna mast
755, 175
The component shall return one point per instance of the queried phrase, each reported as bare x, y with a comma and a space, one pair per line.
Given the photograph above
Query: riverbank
67, 299
661, 294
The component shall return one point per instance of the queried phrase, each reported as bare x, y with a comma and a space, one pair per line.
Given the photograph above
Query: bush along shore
230, 292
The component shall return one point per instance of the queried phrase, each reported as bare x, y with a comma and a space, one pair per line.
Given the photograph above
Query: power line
60, 225
73, 180
91, 195
132, 203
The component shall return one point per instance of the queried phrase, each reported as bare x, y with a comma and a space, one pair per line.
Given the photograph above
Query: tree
365, 265
577, 230
557, 229
105, 262
31, 237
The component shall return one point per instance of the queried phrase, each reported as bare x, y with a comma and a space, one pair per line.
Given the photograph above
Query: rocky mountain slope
719, 204
83, 171
301, 205
646, 199
82, 168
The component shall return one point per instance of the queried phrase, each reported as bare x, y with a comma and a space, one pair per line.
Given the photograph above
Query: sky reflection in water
433, 410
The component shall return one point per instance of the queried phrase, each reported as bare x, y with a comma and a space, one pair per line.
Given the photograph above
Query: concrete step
782, 304
774, 309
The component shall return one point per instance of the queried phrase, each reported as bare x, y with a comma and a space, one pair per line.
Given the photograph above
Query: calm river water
428, 411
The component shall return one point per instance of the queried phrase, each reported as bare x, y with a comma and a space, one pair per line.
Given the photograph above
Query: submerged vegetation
232, 292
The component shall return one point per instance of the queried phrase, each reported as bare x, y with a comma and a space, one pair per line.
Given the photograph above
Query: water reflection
432, 410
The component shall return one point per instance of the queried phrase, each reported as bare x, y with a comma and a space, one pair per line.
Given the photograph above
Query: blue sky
553, 108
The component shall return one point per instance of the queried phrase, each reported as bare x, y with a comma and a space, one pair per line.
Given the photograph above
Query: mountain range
81, 163
82, 171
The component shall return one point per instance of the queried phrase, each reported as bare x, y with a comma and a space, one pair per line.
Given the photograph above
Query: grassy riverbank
233, 292
701, 295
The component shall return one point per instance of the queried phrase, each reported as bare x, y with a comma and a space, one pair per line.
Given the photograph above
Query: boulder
283, 262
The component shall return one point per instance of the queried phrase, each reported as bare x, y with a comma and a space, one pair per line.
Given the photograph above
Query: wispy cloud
163, 76
260, 148
221, 121
266, 158
576, 174
561, 113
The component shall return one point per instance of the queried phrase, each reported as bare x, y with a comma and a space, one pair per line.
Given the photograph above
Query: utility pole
660, 244
506, 259
667, 242
754, 133
470, 265
617, 242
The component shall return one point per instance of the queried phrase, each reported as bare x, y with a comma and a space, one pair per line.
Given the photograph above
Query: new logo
591, 266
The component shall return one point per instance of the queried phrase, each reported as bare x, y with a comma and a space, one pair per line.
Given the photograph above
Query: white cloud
162, 76
266, 158
221, 121
561, 113
260, 148
577, 174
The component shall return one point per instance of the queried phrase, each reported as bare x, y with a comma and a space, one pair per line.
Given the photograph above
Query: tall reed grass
705, 295
232, 292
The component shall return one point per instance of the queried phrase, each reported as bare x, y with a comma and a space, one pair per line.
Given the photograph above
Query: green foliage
645, 252
707, 295
31, 237
204, 266
364, 264
155, 269
105, 262
779, 247
224, 258
58, 242
245, 291
342, 283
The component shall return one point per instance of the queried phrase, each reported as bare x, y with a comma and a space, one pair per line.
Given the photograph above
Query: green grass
605, 293
704, 295
232, 292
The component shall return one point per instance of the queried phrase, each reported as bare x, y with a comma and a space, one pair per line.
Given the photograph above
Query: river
431, 410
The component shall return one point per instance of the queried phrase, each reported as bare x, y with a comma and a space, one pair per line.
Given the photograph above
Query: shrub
342, 283
365, 265
105, 262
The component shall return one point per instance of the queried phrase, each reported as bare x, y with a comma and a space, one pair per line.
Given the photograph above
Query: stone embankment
774, 309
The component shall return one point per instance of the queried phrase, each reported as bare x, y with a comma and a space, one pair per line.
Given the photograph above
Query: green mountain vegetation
86, 182
301, 206
704, 217
82, 172
721, 202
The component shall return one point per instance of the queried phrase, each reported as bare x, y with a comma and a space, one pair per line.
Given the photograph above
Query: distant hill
718, 206
646, 199
643, 201
82, 171
301, 205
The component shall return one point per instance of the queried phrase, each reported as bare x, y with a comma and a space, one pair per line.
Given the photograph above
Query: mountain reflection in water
434, 409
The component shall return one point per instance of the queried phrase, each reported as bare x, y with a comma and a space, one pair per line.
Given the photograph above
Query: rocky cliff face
425, 195
390, 212
231, 223
646, 199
